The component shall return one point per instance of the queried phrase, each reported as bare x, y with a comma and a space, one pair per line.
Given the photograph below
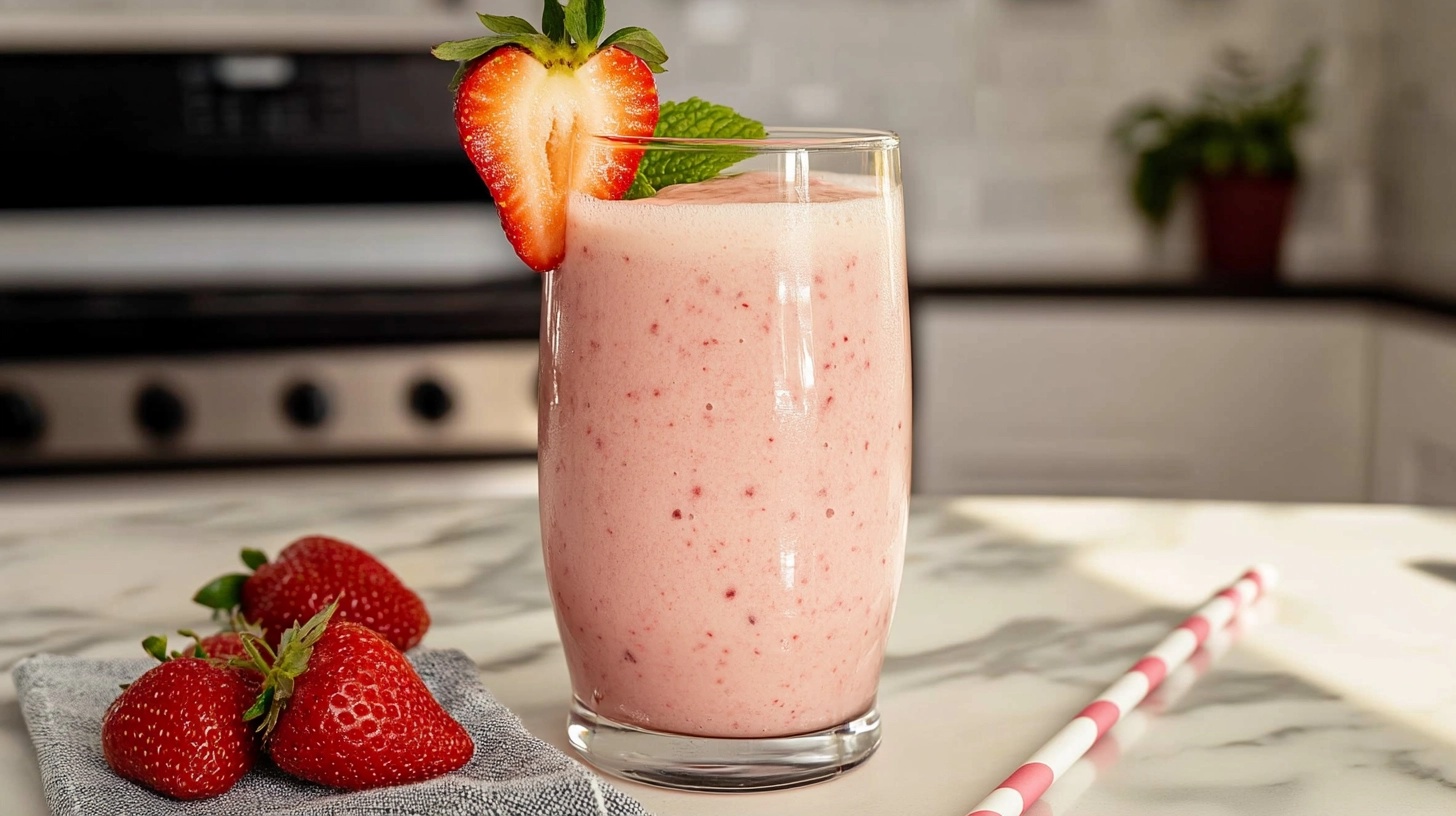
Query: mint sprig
693, 119
569, 35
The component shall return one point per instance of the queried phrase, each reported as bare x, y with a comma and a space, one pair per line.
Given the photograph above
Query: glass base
721, 764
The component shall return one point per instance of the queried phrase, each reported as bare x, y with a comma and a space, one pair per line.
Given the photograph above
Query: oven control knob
160, 412
430, 401
306, 405
21, 420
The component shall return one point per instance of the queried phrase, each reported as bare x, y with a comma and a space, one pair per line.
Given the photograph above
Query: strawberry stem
258, 650
197, 650
282, 667
240, 624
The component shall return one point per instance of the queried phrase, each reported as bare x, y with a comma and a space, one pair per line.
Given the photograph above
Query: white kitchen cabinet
1415, 428
1231, 400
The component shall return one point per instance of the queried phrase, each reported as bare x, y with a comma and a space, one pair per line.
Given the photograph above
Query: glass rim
778, 140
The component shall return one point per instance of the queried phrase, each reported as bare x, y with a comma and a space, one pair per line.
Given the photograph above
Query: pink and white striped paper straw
1020, 790
1061, 798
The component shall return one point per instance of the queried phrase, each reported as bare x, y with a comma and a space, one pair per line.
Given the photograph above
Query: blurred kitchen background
237, 231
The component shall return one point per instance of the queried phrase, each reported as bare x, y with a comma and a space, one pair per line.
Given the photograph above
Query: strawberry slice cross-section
524, 97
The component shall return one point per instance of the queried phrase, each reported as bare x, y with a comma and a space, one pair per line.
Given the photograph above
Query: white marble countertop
1340, 699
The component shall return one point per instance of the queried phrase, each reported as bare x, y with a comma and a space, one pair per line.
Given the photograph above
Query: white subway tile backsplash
938, 110
1416, 138
1051, 159
716, 22
947, 171
1035, 60
1068, 112
1317, 207
1005, 107
814, 102
737, 62
1065, 203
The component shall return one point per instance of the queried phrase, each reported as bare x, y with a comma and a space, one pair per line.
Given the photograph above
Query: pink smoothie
725, 452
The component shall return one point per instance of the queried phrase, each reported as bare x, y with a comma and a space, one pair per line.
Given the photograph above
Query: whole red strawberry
309, 574
223, 645
179, 729
347, 710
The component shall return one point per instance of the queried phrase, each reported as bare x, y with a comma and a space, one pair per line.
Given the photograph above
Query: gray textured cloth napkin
512, 773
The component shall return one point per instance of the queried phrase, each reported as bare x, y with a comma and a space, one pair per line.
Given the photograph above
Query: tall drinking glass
725, 459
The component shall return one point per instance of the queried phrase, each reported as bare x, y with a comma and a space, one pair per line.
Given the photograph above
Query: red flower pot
1242, 224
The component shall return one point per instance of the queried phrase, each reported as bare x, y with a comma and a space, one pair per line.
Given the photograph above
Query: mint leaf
553, 21
506, 25
641, 43
640, 189
693, 119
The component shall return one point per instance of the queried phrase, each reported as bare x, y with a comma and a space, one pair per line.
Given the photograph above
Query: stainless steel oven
244, 231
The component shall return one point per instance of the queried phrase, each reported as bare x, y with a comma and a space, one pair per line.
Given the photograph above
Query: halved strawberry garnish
523, 97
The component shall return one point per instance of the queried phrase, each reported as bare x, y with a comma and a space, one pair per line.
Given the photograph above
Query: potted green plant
1235, 144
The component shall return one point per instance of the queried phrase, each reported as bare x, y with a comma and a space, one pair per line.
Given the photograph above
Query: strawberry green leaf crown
569, 35
281, 668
